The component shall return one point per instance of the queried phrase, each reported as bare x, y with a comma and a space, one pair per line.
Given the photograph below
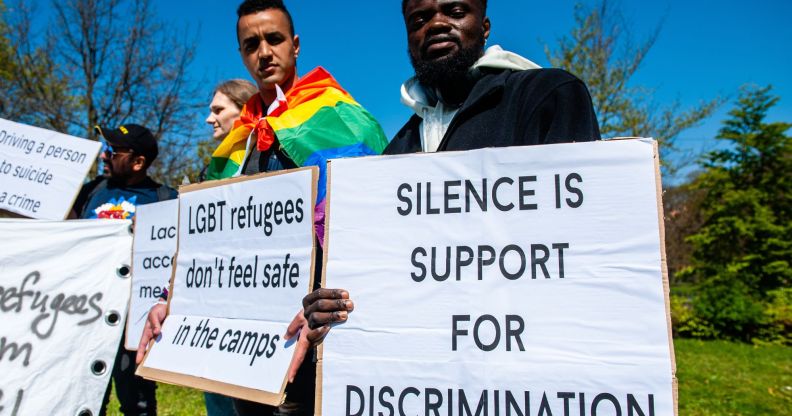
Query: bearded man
467, 98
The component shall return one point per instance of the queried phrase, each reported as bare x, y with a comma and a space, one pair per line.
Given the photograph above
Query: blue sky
705, 49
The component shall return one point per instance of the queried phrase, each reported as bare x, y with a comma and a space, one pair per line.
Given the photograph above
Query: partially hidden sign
517, 281
153, 253
64, 288
244, 263
41, 171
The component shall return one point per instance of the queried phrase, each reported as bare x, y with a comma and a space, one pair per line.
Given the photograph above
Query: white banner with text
41, 171
153, 252
522, 281
64, 289
244, 263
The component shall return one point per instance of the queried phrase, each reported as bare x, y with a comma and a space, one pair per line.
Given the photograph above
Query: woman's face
222, 113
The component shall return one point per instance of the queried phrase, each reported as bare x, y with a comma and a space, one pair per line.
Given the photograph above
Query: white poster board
153, 253
244, 263
526, 280
64, 288
41, 171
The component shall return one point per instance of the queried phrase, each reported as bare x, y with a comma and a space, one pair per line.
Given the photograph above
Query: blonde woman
228, 99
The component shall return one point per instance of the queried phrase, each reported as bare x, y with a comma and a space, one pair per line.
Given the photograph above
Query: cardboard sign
245, 261
41, 171
64, 288
153, 254
522, 281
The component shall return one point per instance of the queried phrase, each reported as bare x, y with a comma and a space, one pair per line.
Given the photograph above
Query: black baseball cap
132, 136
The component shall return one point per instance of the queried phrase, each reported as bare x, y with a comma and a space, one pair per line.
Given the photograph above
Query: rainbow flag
316, 121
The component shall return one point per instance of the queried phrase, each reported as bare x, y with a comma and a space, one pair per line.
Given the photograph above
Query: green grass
726, 378
171, 401
715, 378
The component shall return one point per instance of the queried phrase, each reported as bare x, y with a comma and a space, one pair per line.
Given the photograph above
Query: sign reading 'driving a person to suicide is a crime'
152, 262
517, 281
64, 289
41, 171
244, 263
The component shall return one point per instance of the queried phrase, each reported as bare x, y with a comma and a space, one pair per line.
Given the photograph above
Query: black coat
513, 108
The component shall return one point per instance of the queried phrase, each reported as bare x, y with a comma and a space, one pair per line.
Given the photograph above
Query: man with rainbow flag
292, 122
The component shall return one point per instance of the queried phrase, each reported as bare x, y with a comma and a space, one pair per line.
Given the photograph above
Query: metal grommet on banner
84, 412
112, 318
98, 368
123, 271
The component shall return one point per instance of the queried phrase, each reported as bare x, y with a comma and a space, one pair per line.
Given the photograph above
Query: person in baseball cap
124, 186
130, 150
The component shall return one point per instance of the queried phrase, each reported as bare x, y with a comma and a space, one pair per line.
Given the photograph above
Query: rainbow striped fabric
317, 121
321, 122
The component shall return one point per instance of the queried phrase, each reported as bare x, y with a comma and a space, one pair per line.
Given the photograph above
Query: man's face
268, 49
120, 163
444, 37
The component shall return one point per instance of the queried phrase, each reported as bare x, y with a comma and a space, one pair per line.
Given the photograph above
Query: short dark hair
254, 6
482, 2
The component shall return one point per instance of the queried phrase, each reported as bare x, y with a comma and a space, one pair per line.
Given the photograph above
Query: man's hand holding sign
324, 307
313, 324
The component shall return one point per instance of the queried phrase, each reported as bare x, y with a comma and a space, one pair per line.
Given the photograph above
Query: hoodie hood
496, 57
435, 115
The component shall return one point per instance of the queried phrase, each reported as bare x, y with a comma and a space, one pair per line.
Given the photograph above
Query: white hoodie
435, 114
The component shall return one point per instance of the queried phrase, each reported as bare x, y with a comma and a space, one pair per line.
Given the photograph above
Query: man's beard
447, 70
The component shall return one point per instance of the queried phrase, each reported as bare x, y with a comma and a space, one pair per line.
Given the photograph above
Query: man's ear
485, 24
139, 163
296, 43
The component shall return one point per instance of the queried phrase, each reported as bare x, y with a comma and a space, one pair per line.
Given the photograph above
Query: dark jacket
513, 108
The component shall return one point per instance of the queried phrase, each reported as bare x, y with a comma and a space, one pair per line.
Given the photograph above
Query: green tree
37, 89
742, 253
114, 63
601, 51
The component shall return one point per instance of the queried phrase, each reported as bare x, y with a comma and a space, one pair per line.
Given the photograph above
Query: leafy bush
728, 306
716, 310
777, 322
684, 321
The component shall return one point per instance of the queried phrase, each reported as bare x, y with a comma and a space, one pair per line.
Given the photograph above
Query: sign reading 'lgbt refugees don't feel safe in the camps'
41, 171
64, 288
518, 281
244, 263
152, 262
